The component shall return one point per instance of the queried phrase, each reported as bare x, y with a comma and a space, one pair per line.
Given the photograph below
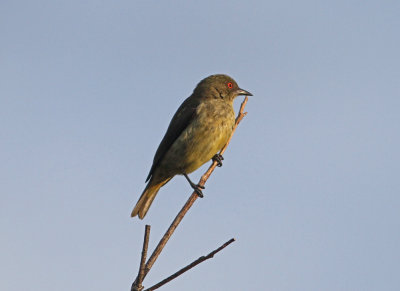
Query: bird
197, 132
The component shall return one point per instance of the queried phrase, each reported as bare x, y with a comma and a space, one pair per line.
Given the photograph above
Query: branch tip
190, 266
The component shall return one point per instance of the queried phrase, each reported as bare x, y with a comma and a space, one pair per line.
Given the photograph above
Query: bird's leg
196, 187
218, 158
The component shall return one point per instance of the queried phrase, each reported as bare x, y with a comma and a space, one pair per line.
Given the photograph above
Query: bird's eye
230, 85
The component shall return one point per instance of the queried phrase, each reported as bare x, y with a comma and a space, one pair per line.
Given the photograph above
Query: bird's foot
196, 187
218, 158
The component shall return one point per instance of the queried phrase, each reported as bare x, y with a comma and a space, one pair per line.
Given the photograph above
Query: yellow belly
201, 140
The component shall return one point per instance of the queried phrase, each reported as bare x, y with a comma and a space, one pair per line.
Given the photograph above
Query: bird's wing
182, 118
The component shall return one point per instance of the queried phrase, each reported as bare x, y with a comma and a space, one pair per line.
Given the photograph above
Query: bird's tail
148, 195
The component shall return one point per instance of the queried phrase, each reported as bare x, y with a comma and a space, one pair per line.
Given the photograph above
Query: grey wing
181, 119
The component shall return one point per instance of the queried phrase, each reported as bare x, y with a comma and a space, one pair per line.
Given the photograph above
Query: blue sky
310, 183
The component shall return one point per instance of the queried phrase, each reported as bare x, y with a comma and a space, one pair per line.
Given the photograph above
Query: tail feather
148, 195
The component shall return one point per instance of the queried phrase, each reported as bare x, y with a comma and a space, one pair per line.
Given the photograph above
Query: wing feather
181, 119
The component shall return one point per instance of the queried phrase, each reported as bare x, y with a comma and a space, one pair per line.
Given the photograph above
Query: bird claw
218, 158
198, 191
196, 187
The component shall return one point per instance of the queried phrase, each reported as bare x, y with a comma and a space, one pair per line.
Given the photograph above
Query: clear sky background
310, 183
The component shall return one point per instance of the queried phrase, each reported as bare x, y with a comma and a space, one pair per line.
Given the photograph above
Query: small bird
197, 132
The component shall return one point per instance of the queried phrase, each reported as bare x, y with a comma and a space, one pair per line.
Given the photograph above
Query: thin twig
137, 285
191, 265
191, 199
169, 232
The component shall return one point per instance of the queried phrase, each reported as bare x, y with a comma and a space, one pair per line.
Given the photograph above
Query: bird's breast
207, 133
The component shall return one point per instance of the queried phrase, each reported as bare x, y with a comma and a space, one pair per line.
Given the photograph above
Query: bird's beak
243, 92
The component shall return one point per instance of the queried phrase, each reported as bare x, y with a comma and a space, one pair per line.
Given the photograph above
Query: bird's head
219, 87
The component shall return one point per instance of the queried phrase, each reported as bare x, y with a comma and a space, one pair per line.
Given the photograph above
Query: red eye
230, 85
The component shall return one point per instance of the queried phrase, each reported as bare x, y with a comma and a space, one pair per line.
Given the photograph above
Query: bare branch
137, 285
191, 265
169, 232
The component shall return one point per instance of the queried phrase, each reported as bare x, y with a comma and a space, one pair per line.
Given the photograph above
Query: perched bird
199, 129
